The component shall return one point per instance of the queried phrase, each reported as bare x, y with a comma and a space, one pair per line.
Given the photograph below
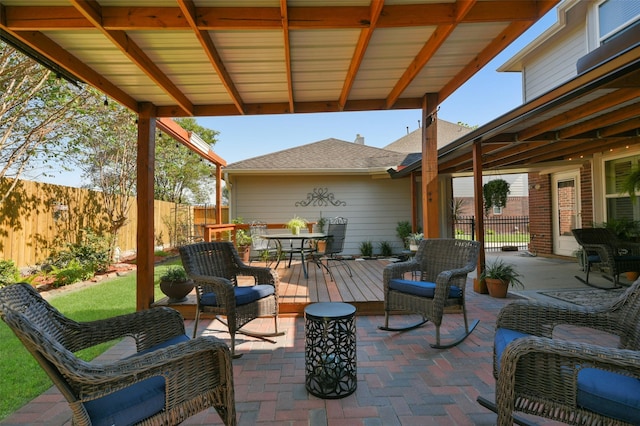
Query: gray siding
374, 206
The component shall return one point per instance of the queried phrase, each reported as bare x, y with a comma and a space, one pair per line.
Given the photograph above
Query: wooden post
218, 193
146, 170
478, 285
430, 199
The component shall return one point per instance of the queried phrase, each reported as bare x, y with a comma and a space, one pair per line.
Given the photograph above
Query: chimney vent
359, 139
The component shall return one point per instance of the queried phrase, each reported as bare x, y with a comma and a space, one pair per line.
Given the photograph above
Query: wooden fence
39, 217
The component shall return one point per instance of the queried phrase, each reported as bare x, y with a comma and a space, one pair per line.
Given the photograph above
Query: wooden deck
363, 289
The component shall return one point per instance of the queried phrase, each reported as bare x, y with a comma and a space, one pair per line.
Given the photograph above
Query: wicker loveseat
169, 379
573, 382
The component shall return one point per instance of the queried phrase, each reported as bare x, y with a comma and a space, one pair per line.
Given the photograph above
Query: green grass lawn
21, 378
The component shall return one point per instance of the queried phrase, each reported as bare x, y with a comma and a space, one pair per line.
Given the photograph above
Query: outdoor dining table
300, 249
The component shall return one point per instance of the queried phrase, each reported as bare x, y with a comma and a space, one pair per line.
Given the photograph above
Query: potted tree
498, 275
295, 224
175, 284
243, 244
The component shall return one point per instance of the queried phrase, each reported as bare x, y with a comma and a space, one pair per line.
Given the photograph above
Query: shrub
91, 254
9, 273
70, 274
385, 248
366, 248
403, 230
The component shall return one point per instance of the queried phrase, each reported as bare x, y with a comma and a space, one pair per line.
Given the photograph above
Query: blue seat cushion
421, 288
610, 394
134, 403
603, 392
244, 294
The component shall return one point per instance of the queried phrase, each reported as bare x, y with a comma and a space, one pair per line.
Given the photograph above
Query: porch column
146, 170
218, 193
429, 193
478, 286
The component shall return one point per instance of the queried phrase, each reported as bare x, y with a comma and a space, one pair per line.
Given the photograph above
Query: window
619, 205
497, 210
615, 16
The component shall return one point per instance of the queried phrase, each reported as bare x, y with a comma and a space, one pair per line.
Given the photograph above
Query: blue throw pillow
502, 338
421, 288
244, 294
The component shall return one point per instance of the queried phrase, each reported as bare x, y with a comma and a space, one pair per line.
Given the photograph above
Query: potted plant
321, 245
414, 240
295, 224
495, 194
243, 244
403, 230
498, 275
175, 284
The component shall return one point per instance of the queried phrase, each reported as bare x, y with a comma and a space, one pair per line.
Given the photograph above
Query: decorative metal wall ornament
320, 197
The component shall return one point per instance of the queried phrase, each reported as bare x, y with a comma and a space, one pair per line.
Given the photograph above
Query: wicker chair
604, 250
215, 267
169, 379
442, 266
572, 382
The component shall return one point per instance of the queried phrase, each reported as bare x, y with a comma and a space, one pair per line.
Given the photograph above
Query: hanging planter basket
495, 193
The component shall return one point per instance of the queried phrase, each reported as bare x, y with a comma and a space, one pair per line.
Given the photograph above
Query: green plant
495, 193
321, 222
415, 238
9, 273
385, 248
72, 273
366, 248
502, 271
175, 274
625, 229
296, 223
243, 237
403, 230
631, 183
92, 254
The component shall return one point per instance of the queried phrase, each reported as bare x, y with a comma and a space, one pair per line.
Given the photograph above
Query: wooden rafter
236, 18
439, 36
287, 52
90, 10
360, 50
188, 8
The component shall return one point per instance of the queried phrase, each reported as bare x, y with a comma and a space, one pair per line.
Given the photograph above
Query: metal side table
330, 349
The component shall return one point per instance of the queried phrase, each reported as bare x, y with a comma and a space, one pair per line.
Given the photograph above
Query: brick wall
540, 213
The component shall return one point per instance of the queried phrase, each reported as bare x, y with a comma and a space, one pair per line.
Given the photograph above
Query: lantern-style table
330, 349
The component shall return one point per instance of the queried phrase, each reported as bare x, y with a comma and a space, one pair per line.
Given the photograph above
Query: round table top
329, 310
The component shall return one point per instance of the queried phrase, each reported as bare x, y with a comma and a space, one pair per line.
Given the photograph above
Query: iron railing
500, 232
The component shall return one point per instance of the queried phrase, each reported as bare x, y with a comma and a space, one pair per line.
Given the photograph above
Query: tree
181, 175
36, 110
105, 150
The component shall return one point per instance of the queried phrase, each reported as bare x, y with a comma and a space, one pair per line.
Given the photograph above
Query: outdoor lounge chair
214, 268
441, 266
572, 382
602, 249
169, 379
336, 232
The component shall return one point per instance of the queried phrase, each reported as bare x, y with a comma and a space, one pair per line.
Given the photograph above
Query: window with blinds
616, 16
619, 205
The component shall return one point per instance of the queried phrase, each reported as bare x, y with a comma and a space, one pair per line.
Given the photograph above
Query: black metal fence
500, 232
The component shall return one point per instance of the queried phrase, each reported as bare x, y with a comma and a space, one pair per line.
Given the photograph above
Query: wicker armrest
261, 274
149, 327
539, 319
184, 366
605, 251
397, 270
629, 247
221, 286
560, 360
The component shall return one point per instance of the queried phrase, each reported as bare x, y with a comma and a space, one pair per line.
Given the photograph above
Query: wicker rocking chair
572, 382
442, 266
214, 268
168, 380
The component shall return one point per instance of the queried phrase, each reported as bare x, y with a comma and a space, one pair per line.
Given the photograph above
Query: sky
486, 96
